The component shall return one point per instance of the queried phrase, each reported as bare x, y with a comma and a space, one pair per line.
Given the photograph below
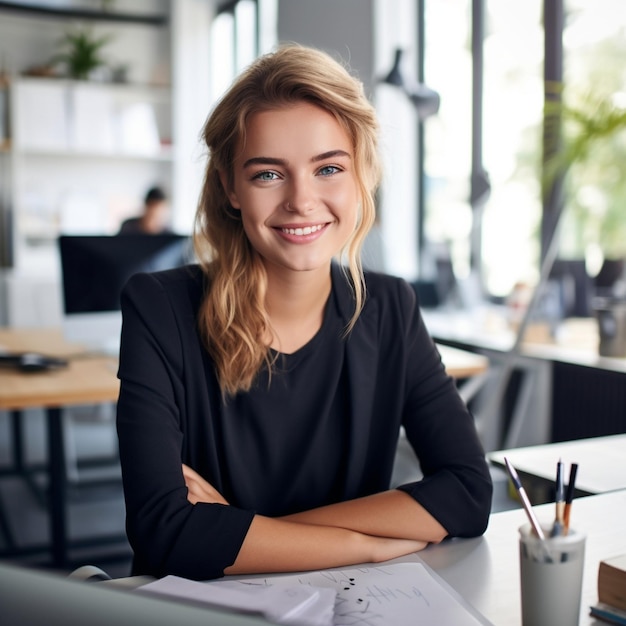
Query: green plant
81, 52
592, 162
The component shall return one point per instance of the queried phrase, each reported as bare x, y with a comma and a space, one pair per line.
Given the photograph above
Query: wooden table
86, 380
92, 380
461, 364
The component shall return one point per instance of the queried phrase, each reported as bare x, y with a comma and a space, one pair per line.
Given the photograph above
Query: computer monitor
94, 269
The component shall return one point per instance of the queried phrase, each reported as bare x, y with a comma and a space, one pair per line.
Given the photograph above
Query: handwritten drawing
401, 594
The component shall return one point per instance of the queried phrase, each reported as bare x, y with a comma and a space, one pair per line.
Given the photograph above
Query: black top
282, 430
132, 226
326, 429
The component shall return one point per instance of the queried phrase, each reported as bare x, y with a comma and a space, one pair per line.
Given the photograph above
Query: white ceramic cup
551, 576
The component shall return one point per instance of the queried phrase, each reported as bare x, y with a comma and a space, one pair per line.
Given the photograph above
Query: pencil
569, 496
517, 483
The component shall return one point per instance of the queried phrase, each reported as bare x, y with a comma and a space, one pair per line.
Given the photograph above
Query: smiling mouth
306, 230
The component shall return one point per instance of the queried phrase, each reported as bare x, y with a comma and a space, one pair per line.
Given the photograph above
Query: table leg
57, 487
18, 441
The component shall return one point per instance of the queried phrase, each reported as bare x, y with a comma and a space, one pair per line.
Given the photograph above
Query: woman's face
295, 185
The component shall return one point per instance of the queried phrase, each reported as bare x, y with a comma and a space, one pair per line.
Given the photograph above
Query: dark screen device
31, 361
94, 270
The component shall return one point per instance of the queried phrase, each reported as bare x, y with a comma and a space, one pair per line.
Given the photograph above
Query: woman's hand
199, 489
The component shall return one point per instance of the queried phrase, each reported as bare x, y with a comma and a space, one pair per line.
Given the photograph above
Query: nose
301, 197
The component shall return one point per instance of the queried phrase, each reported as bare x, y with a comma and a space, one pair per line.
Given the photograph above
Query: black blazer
170, 411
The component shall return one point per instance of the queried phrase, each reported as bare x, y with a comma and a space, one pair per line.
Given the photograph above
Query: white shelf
165, 155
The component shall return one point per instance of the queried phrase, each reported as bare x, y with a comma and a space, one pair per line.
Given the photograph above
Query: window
510, 142
234, 41
594, 221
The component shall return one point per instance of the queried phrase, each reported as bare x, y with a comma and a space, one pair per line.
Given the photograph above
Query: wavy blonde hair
232, 319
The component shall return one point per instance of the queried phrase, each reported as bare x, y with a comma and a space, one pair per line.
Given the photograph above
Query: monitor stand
97, 333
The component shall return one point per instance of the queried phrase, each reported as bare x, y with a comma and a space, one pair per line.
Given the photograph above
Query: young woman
263, 389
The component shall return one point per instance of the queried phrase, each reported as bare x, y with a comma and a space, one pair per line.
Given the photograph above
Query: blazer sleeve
167, 533
456, 488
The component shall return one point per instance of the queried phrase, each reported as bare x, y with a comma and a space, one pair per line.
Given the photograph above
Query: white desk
601, 462
485, 570
559, 376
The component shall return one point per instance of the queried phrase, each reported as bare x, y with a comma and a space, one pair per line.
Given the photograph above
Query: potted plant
592, 163
593, 158
82, 52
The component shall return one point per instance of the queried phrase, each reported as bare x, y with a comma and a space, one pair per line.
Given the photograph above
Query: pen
557, 528
569, 496
517, 483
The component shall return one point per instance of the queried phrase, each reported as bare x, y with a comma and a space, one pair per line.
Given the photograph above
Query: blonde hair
232, 319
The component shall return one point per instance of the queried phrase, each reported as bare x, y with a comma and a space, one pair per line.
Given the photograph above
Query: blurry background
513, 130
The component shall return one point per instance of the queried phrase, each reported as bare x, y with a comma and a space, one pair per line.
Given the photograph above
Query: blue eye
266, 176
329, 170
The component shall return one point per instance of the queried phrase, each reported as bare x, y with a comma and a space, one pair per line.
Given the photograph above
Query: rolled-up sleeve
456, 488
167, 533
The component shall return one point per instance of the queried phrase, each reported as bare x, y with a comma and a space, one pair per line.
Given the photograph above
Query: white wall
396, 22
191, 101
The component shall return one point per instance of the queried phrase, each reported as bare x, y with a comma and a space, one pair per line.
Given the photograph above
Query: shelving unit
74, 143
86, 14
77, 156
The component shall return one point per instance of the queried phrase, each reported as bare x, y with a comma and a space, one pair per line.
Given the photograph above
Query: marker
569, 497
517, 483
558, 526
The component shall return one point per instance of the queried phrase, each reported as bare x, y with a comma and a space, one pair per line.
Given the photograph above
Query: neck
295, 303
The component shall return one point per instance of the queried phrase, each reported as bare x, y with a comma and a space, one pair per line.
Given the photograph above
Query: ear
232, 196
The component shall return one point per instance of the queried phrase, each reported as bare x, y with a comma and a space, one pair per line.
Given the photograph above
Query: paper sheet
295, 605
401, 594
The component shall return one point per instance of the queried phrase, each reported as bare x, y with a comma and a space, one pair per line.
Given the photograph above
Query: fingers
199, 489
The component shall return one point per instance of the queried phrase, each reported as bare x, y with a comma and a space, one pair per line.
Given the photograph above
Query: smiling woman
263, 390
299, 204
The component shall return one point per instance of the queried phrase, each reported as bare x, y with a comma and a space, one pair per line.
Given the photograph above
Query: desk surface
485, 570
576, 339
461, 363
86, 380
601, 461
94, 379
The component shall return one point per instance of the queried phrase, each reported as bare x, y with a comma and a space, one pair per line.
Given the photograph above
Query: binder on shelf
92, 120
43, 120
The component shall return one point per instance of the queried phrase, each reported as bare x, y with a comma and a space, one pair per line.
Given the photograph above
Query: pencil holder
551, 576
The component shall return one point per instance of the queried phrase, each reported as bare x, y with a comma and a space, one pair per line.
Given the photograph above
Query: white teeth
307, 230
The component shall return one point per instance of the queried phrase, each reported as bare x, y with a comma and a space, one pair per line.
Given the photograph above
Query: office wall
52, 184
341, 27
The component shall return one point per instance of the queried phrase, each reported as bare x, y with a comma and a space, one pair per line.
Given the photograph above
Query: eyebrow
261, 160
